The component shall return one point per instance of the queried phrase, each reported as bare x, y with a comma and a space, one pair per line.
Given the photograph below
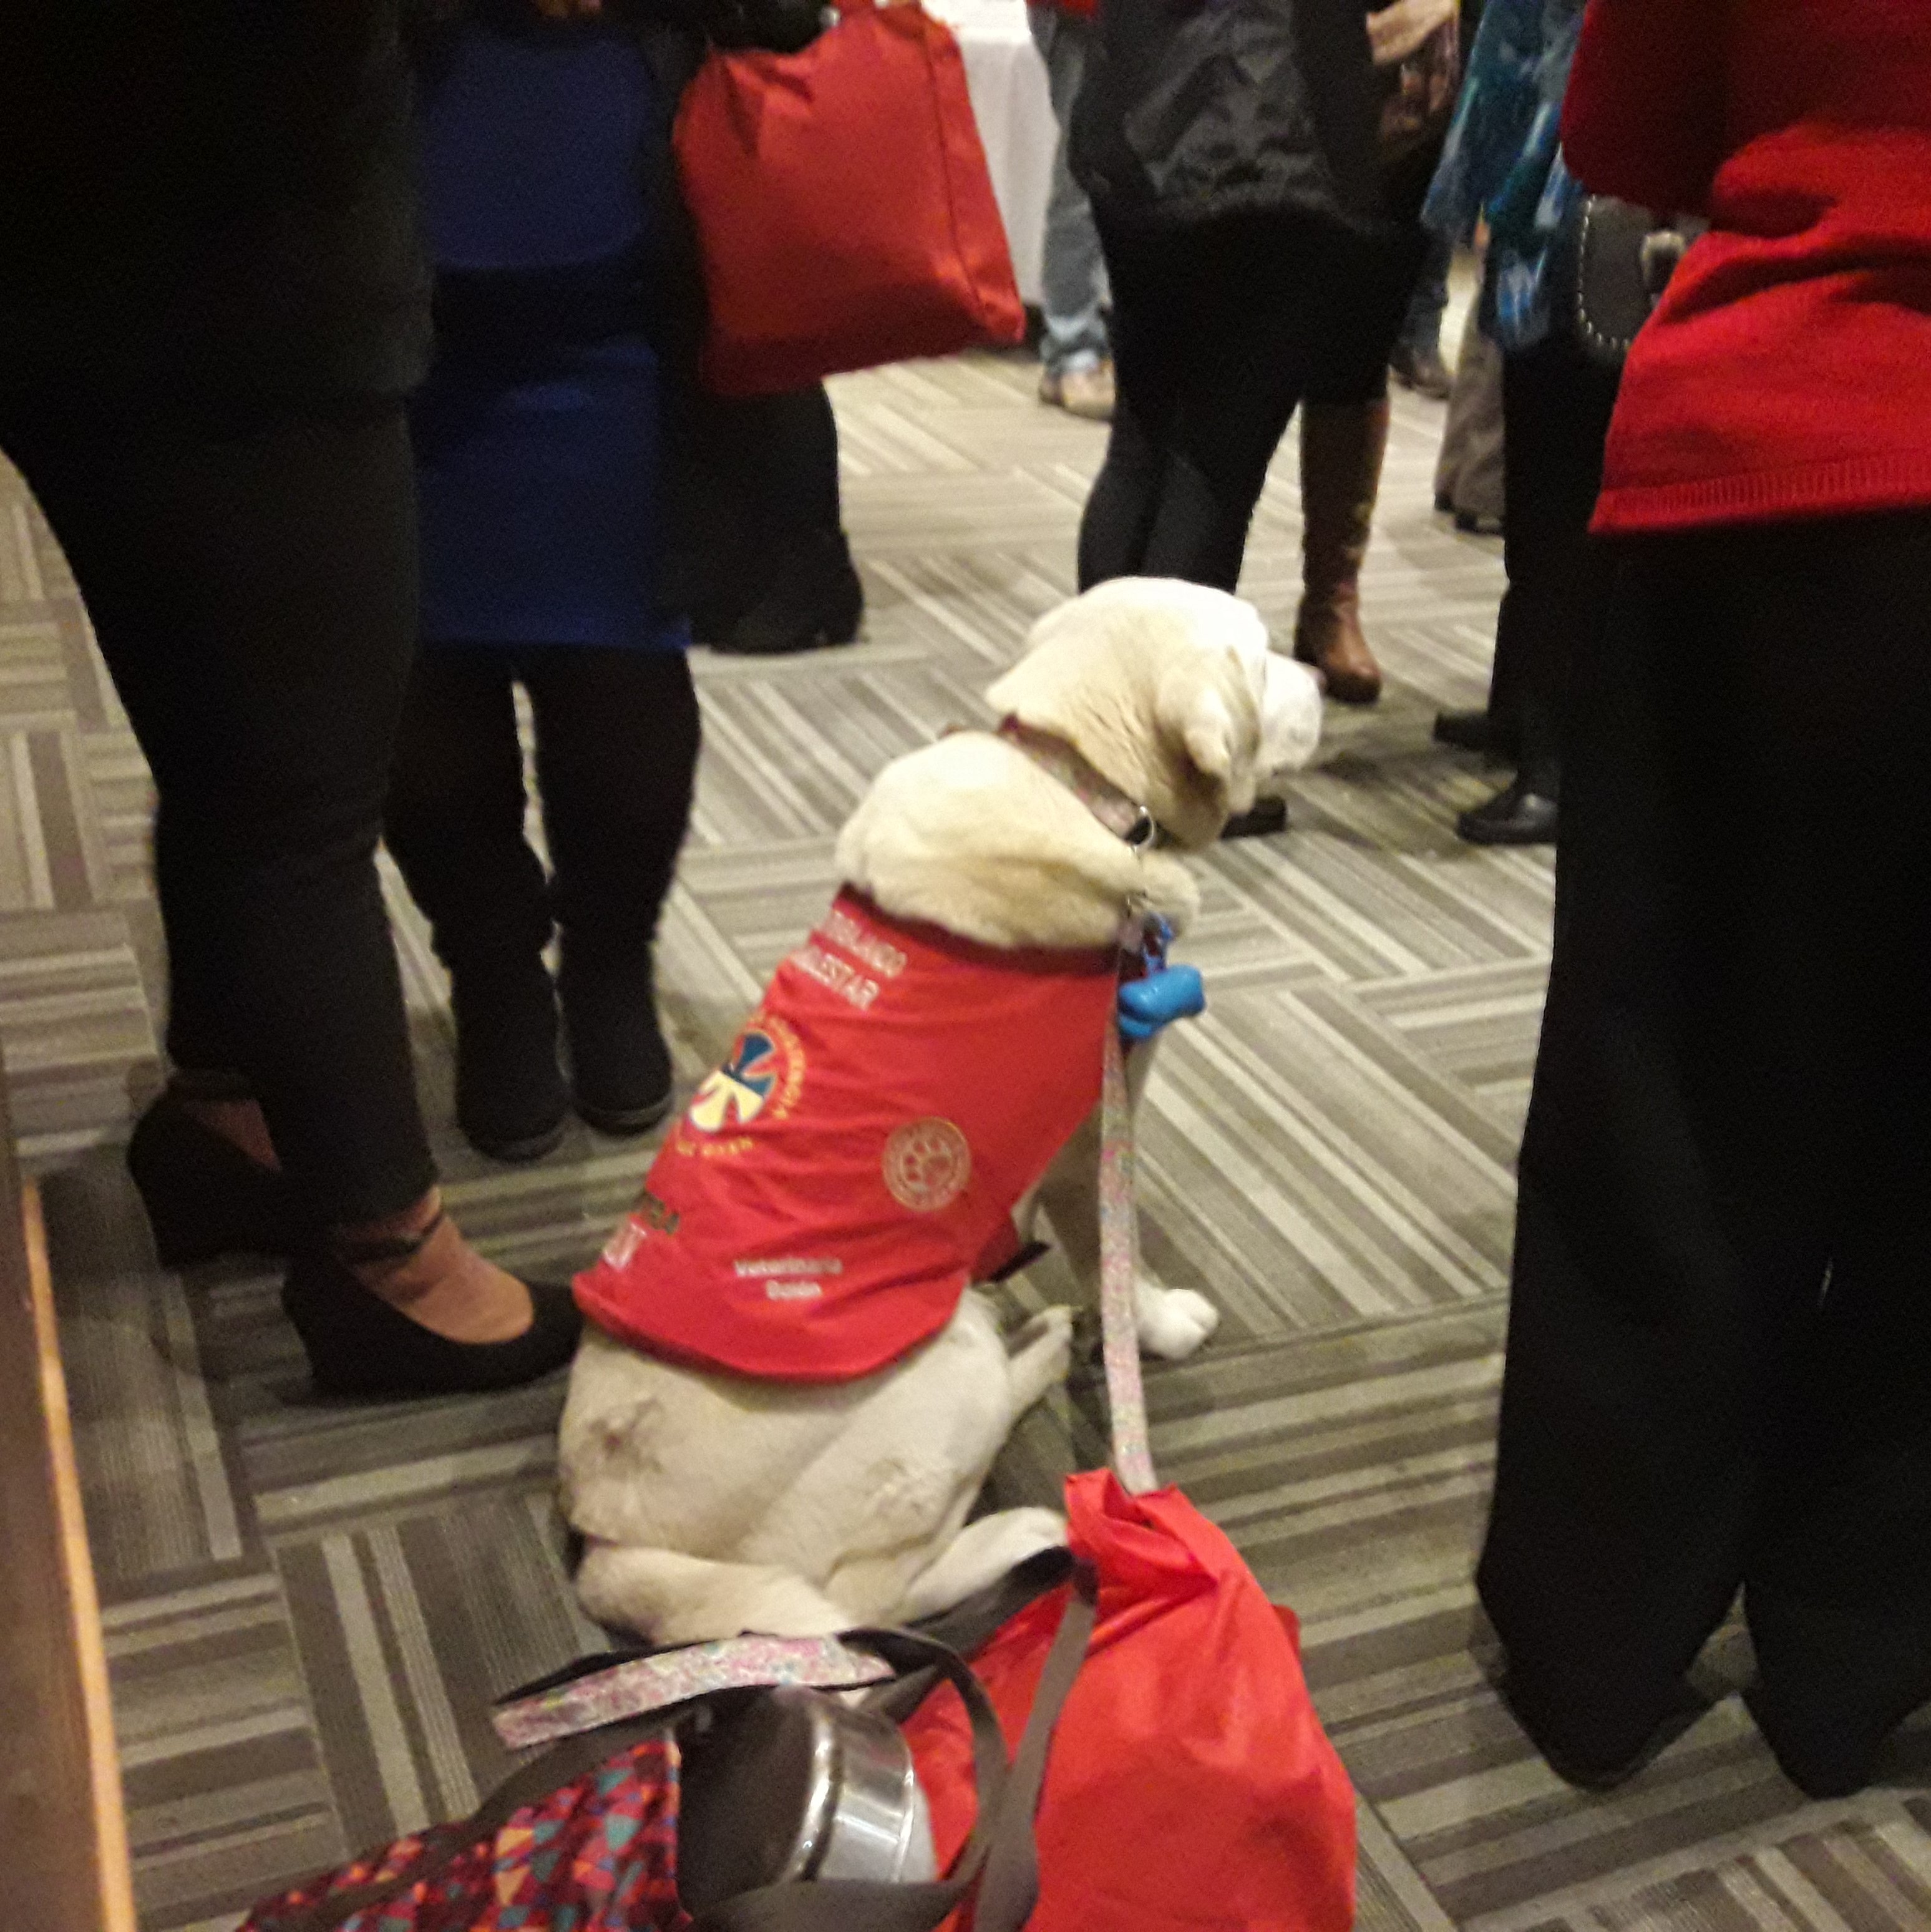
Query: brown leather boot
1341, 447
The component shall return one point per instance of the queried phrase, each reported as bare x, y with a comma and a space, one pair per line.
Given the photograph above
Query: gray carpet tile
309, 1606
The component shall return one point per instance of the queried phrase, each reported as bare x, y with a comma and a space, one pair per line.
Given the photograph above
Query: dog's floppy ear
1196, 718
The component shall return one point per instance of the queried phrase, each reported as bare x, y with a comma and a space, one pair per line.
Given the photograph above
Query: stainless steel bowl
796, 1785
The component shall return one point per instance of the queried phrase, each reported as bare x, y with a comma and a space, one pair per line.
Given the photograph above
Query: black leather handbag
1624, 258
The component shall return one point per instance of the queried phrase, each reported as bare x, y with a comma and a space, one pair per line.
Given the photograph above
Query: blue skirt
540, 478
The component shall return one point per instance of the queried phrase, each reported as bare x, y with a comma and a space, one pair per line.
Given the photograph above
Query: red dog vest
853, 1165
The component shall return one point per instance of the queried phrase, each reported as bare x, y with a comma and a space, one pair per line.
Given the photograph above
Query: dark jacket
1194, 109
208, 199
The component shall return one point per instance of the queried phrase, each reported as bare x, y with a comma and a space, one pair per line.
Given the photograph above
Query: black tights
616, 751
1220, 332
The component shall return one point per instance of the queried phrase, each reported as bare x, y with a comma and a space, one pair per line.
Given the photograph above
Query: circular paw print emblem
927, 1166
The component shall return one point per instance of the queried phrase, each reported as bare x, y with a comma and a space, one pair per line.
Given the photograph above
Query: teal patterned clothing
1503, 164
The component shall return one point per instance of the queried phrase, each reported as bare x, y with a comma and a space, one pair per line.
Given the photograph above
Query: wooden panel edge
112, 1858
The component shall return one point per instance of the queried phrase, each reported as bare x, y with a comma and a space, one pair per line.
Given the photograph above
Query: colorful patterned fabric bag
560, 1850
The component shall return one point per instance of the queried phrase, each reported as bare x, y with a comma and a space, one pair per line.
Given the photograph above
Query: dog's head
1169, 690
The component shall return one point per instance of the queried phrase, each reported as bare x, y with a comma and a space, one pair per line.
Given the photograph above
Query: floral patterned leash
1145, 943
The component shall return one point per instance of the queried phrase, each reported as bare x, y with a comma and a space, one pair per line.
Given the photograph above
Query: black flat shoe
1267, 816
1474, 731
815, 600
358, 1345
204, 1197
620, 1072
1516, 817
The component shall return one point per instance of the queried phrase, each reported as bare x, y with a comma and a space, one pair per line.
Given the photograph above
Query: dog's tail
668, 1598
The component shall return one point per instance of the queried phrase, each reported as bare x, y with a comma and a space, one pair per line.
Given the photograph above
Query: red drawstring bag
1190, 1784
845, 214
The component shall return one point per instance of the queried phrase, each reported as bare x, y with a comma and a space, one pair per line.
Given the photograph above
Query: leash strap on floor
1119, 1269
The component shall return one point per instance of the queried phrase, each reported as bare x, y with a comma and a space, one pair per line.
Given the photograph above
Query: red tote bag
1190, 1784
845, 214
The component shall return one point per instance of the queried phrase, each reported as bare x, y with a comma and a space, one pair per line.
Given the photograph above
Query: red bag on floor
1190, 1784
845, 214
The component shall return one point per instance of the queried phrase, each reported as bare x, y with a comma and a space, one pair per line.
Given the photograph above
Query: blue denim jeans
1074, 279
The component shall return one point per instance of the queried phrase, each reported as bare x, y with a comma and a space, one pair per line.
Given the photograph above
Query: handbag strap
1000, 1857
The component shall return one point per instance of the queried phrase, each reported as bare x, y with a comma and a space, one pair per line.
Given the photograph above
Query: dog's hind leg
671, 1598
978, 1556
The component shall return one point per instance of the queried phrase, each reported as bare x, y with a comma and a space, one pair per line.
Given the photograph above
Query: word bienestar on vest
788, 1394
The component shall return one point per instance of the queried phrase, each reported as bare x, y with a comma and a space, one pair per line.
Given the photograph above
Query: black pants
1556, 407
758, 482
253, 588
616, 750
1719, 1348
1219, 332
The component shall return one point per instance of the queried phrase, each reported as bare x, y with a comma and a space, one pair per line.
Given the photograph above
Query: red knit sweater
1788, 372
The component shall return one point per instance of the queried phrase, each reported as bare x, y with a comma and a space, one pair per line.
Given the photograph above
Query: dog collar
1123, 816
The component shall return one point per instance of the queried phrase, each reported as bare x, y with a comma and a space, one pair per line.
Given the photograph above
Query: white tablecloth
1007, 81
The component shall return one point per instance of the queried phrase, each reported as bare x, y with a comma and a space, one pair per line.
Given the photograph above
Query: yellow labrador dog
788, 1398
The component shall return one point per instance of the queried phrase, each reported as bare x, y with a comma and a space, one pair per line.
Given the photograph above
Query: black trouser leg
456, 808
254, 591
1556, 407
1729, 1105
1212, 346
616, 748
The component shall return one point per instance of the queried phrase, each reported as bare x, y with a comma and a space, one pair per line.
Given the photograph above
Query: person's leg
1557, 405
253, 590
1343, 446
1727, 1004
617, 734
454, 825
1149, 324
1247, 307
1075, 347
1417, 361
791, 585
1838, 1584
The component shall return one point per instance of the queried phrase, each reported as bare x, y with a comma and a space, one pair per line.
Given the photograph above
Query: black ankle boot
815, 599
358, 1345
619, 1065
511, 1101
204, 1196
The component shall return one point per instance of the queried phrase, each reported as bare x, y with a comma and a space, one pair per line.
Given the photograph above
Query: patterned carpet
309, 1606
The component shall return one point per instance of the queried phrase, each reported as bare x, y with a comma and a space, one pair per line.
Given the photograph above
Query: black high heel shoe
204, 1196
359, 1345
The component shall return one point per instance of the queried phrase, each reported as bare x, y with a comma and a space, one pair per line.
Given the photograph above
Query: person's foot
442, 1284
511, 1101
815, 599
1329, 637
1475, 731
404, 1306
1086, 390
1421, 370
206, 1172
1520, 815
1266, 817
620, 1071
1478, 524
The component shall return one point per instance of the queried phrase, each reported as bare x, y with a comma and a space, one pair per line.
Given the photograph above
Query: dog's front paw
1173, 1321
